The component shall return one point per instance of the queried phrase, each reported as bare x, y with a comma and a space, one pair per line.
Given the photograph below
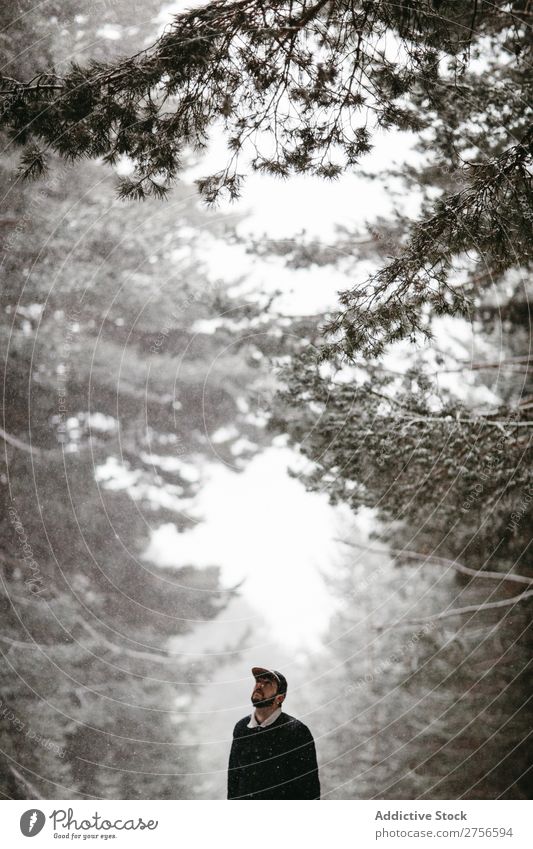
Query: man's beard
262, 703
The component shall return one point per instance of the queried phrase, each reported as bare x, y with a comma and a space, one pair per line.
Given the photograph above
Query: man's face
264, 691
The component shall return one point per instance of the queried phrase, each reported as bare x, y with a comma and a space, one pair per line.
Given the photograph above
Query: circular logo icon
31, 822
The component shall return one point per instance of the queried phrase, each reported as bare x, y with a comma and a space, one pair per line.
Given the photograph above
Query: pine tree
99, 302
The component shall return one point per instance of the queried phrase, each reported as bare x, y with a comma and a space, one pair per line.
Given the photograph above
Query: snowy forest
267, 392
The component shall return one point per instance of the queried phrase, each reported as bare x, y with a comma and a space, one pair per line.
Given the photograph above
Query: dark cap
261, 672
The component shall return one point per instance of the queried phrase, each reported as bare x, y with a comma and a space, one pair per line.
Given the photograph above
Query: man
273, 754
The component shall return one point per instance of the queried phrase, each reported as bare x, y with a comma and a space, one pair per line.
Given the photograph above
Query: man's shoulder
241, 725
295, 726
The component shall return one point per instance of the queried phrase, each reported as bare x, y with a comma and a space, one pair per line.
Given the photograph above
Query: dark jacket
276, 762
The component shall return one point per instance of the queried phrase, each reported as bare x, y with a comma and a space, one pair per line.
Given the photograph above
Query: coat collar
268, 721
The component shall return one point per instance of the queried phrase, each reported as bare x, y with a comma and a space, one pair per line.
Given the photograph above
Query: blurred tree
107, 423
420, 705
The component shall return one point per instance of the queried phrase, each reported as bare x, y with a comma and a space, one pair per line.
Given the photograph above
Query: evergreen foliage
300, 84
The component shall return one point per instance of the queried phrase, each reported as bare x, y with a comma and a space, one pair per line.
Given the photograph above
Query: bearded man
273, 754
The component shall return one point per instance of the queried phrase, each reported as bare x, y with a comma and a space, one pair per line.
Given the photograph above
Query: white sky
283, 208
262, 525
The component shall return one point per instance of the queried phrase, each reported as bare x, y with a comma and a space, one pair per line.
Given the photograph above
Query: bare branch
464, 570
18, 775
18, 443
462, 611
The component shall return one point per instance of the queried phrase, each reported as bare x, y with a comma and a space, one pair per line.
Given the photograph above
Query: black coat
276, 762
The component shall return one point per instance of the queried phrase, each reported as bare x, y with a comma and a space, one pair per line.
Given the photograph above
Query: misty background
162, 520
